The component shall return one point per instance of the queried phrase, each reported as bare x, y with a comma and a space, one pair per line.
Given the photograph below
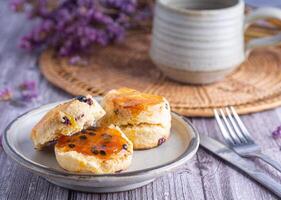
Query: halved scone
95, 150
66, 119
145, 136
144, 118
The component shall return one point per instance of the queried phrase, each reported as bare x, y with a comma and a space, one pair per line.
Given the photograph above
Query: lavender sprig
73, 27
28, 96
28, 85
277, 133
5, 94
26, 93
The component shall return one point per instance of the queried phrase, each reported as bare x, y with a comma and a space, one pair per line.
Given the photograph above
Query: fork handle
268, 160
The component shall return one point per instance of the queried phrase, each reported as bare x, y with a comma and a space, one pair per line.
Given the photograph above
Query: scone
97, 150
144, 118
66, 119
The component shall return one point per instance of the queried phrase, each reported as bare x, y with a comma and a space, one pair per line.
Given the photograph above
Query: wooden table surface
203, 177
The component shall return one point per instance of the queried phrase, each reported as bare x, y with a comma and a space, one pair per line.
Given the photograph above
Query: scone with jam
95, 150
66, 119
144, 118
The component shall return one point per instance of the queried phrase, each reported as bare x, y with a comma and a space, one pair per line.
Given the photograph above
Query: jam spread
101, 142
134, 100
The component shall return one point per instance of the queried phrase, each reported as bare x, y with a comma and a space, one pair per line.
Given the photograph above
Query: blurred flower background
74, 27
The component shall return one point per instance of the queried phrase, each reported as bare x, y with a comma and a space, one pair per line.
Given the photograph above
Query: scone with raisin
95, 150
144, 118
66, 119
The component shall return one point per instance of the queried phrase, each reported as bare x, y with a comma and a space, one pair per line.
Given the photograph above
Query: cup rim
203, 11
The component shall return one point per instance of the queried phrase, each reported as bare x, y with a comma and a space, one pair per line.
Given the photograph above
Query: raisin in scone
144, 118
95, 150
66, 119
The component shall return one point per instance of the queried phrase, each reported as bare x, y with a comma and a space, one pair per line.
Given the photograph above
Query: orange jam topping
135, 100
100, 142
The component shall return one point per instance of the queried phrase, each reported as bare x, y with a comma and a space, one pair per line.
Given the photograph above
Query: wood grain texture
203, 177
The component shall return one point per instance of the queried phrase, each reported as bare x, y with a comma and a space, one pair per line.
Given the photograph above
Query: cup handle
262, 13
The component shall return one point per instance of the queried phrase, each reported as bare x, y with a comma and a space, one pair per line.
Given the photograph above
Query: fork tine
230, 130
224, 132
244, 130
235, 126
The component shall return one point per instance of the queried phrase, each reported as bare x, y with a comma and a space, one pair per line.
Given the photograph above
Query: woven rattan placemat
253, 87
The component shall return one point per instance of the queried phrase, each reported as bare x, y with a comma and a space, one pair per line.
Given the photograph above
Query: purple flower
72, 27
5, 94
28, 96
77, 60
28, 91
17, 5
26, 44
28, 85
277, 133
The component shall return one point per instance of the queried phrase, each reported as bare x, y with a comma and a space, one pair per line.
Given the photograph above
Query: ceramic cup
201, 41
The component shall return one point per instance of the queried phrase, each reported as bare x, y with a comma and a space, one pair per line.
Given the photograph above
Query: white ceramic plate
146, 166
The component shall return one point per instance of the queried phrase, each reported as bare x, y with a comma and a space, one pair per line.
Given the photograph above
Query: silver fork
238, 137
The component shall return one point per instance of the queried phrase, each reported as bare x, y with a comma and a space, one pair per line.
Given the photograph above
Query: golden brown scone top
101, 142
134, 100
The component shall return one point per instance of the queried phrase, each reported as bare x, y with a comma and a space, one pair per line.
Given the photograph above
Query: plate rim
46, 171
